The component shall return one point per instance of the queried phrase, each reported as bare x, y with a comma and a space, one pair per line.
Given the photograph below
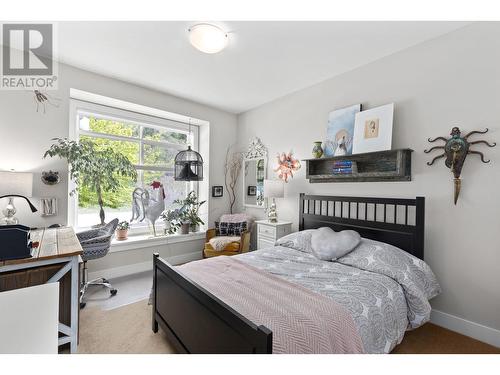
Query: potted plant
184, 222
189, 212
194, 220
98, 169
122, 230
171, 218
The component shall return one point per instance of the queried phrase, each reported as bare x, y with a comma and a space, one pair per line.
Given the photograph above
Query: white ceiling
264, 60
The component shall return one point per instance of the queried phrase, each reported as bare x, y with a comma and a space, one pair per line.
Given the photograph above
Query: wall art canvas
340, 131
373, 129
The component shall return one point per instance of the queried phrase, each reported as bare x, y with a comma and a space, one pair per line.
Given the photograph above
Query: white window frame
167, 120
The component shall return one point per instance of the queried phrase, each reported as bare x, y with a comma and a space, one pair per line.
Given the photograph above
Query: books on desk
341, 167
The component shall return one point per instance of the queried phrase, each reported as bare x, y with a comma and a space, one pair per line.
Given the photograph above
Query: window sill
143, 241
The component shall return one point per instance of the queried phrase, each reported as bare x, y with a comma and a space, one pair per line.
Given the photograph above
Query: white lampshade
20, 183
274, 189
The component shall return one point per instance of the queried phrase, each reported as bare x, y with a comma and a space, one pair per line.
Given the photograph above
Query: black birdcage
188, 166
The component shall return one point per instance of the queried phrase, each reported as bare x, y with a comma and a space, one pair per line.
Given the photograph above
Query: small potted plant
189, 213
171, 219
122, 230
184, 222
194, 220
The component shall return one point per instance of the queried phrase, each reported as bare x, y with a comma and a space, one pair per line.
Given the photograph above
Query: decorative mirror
255, 172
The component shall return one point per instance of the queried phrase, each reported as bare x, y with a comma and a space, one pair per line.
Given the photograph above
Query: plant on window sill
171, 218
186, 217
189, 211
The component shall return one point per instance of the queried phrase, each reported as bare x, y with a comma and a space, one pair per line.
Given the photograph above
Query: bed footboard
195, 321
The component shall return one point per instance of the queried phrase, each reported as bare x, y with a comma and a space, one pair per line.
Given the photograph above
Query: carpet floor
127, 330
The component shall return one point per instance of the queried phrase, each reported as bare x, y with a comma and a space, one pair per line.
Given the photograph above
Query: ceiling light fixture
208, 38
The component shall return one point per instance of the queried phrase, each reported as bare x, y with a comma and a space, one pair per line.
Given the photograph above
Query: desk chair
95, 244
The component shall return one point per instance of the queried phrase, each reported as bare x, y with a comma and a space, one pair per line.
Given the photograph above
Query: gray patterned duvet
385, 289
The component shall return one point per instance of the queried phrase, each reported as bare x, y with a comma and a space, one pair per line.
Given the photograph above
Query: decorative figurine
456, 150
287, 165
50, 178
145, 206
42, 98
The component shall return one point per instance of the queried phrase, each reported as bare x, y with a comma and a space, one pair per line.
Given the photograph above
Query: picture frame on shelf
217, 191
340, 131
373, 130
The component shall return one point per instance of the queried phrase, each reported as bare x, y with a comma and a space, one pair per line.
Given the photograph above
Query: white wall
448, 81
26, 134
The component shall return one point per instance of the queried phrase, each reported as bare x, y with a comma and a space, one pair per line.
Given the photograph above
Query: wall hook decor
43, 98
50, 178
456, 149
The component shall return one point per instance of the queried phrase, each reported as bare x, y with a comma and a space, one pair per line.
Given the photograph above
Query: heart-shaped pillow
326, 244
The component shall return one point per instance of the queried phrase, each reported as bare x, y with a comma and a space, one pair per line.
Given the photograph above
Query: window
149, 143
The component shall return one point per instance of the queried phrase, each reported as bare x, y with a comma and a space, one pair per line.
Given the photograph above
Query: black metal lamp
188, 164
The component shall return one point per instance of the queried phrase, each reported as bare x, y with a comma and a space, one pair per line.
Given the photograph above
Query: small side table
268, 233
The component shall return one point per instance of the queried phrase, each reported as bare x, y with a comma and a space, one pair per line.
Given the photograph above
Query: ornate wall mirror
254, 173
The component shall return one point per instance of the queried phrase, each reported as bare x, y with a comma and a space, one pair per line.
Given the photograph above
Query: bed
361, 303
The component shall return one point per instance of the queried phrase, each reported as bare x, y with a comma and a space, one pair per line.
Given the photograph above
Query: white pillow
326, 244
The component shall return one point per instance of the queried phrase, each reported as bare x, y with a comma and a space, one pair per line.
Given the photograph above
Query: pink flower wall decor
287, 164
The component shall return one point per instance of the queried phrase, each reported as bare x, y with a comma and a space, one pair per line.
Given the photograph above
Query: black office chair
95, 244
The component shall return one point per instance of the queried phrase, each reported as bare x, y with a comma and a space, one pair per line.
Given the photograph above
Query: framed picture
340, 131
252, 191
373, 130
217, 191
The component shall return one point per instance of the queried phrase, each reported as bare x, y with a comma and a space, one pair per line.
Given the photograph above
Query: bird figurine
144, 206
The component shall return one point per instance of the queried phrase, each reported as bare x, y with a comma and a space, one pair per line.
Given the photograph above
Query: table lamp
273, 189
12, 185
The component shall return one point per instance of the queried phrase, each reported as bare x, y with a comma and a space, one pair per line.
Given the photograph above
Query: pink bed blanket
302, 321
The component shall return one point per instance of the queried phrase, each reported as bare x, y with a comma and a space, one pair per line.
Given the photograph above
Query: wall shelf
392, 165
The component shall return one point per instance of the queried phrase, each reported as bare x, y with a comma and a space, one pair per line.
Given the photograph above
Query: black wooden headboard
399, 222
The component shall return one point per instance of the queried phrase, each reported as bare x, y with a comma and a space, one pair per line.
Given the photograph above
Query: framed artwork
373, 130
252, 191
217, 191
340, 131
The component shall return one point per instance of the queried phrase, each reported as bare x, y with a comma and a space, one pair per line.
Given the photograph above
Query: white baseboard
466, 327
130, 269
